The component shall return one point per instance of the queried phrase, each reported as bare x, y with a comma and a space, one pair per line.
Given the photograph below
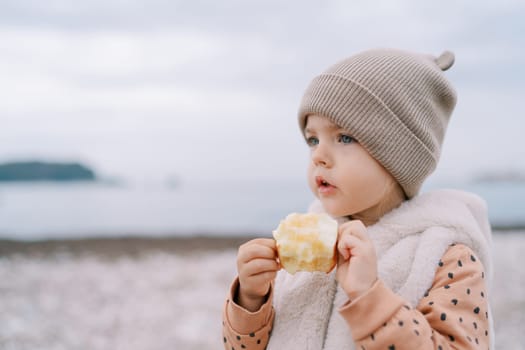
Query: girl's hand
257, 266
357, 261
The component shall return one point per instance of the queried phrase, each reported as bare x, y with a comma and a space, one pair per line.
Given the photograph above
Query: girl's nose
321, 156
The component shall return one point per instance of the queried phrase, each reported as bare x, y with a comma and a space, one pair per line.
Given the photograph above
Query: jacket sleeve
243, 329
453, 314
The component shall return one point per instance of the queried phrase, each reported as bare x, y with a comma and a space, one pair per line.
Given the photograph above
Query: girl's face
342, 174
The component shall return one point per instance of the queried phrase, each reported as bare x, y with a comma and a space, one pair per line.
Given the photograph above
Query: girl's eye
345, 139
312, 141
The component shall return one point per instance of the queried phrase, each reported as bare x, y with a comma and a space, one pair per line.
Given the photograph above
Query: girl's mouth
323, 186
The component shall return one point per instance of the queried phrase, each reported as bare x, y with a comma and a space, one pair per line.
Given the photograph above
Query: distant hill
45, 171
511, 176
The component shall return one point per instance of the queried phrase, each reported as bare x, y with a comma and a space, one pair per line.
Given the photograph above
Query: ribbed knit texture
396, 104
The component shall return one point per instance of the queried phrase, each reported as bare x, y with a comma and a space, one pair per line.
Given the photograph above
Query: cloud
195, 85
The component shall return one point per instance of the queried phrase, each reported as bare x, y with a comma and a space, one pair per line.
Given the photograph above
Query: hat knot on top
445, 60
395, 103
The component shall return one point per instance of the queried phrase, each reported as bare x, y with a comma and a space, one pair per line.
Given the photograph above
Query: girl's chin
334, 210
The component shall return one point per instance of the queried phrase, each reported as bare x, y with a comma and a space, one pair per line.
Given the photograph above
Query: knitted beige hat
396, 104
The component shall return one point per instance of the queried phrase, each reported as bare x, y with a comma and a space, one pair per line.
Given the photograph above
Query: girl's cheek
310, 179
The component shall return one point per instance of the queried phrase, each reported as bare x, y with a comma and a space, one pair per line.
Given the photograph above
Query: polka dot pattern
244, 330
253, 340
461, 305
452, 312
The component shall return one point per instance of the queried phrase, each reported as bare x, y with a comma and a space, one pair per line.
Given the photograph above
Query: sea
46, 210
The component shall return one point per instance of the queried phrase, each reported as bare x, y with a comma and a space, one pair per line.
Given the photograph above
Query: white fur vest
409, 242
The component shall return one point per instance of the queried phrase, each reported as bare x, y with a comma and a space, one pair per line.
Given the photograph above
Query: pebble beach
135, 293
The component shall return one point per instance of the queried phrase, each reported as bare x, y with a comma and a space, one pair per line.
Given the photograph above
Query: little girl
413, 269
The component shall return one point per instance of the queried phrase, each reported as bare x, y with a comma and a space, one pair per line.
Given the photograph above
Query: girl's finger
264, 277
356, 228
249, 252
269, 242
346, 243
258, 266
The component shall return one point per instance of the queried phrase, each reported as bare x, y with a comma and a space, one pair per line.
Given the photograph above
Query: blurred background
130, 130
184, 109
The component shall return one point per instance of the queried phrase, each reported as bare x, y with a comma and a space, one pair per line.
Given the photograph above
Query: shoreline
136, 246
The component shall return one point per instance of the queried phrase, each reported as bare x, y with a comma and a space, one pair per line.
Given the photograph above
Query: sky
149, 90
